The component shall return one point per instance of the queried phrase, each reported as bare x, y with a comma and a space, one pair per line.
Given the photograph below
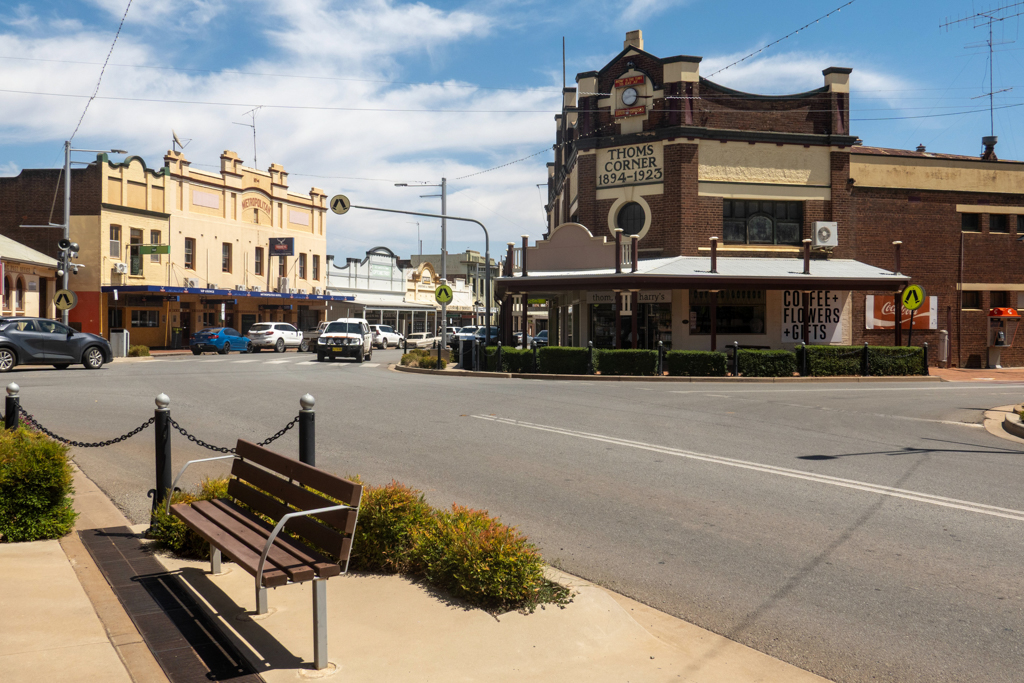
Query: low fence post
534, 344
12, 407
162, 432
803, 359
925, 347
497, 360
735, 359
865, 362
590, 358
307, 431
661, 359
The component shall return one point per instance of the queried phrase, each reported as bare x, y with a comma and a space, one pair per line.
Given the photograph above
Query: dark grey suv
40, 341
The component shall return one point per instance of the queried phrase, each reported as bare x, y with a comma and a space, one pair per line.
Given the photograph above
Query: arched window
631, 218
19, 295
7, 294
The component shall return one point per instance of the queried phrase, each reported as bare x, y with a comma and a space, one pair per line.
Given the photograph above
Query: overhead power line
102, 71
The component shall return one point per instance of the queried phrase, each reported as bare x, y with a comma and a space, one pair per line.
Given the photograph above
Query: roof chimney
920, 148
634, 39
990, 148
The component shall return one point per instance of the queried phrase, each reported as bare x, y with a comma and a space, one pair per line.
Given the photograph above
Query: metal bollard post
661, 359
12, 407
307, 431
803, 359
590, 358
735, 359
865, 362
162, 432
534, 343
925, 347
497, 361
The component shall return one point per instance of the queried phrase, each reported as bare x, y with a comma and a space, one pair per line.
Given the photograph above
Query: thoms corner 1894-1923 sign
630, 165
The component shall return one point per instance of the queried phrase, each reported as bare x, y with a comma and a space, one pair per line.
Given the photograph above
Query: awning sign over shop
645, 297
824, 316
641, 164
880, 314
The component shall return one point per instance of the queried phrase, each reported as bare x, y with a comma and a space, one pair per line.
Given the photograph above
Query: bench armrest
174, 485
277, 530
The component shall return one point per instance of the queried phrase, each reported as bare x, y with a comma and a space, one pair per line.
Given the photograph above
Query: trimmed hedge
512, 360
35, 487
432, 363
636, 362
886, 361
696, 363
766, 363
830, 361
562, 360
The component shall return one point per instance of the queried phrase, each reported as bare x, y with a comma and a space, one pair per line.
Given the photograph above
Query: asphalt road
865, 532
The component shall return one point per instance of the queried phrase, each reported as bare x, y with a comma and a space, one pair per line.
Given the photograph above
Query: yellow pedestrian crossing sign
65, 299
913, 297
340, 204
443, 294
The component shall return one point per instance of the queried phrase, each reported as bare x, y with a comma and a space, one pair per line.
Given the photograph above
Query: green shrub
830, 361
388, 515
432, 363
626, 361
172, 533
562, 360
414, 358
475, 557
767, 363
696, 363
512, 360
35, 487
138, 351
886, 361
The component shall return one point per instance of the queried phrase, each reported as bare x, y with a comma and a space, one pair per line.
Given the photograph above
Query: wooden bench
260, 480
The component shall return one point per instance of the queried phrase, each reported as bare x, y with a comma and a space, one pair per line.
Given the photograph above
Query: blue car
219, 339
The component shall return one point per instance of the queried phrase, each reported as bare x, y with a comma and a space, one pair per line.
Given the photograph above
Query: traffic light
68, 251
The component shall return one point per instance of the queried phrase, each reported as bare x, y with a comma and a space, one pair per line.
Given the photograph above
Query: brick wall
26, 199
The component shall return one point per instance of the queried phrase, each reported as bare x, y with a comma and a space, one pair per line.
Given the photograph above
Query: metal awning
233, 293
694, 272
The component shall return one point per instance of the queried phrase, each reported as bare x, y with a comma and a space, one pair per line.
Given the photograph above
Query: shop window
970, 300
1020, 225
737, 312
135, 252
258, 261
631, 218
209, 319
282, 269
999, 300
145, 318
970, 222
190, 253
998, 222
762, 222
225, 257
115, 241
302, 266
316, 266
154, 238
115, 317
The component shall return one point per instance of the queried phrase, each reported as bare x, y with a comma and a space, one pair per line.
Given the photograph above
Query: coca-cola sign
880, 313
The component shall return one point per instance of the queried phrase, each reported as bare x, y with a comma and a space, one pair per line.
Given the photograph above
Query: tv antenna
252, 112
983, 19
176, 144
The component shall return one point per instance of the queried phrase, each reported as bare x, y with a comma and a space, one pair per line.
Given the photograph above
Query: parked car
277, 336
309, 337
385, 336
422, 340
345, 338
40, 341
467, 332
493, 334
541, 338
517, 339
219, 339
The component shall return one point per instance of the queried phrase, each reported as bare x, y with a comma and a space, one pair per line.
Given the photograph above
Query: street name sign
65, 299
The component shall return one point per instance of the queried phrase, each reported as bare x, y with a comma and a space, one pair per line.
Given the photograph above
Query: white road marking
250, 360
942, 501
276, 362
370, 365
944, 387
309, 362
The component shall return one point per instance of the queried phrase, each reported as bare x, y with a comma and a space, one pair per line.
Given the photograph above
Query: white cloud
9, 169
180, 13
22, 18
638, 10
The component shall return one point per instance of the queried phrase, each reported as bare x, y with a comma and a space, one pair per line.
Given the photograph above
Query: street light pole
444, 248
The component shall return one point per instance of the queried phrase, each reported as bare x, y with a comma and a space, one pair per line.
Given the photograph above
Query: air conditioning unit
240, 288
121, 268
317, 290
825, 234
210, 285
255, 288
301, 290
292, 290
282, 284
192, 282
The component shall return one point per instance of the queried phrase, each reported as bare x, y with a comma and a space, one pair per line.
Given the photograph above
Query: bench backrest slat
342, 489
291, 494
328, 540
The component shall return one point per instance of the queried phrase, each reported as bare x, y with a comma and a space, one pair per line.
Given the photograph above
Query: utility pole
444, 247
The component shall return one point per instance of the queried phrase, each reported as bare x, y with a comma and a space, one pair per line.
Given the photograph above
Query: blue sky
500, 58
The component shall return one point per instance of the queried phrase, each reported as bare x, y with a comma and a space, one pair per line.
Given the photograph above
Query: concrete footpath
61, 621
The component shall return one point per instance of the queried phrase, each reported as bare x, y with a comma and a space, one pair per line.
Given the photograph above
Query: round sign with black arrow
340, 204
65, 299
913, 297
